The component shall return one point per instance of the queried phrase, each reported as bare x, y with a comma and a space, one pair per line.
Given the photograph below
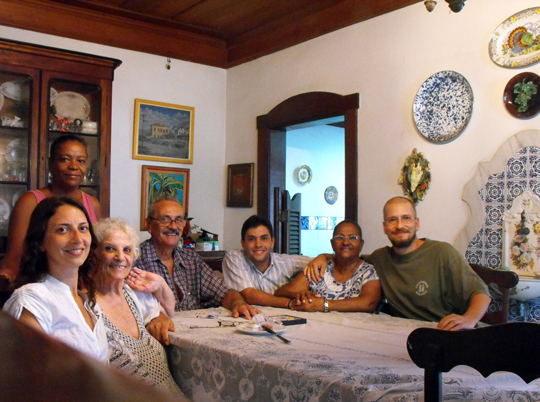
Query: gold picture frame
157, 181
163, 132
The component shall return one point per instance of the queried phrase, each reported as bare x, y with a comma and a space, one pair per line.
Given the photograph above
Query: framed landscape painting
158, 181
163, 132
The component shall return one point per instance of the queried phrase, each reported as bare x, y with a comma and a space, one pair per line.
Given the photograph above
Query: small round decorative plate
510, 97
443, 106
516, 41
16, 153
71, 105
331, 195
304, 174
16, 90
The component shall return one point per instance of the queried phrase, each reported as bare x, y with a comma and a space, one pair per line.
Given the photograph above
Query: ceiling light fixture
430, 5
455, 5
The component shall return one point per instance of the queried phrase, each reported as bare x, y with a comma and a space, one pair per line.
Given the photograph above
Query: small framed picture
240, 185
163, 132
158, 181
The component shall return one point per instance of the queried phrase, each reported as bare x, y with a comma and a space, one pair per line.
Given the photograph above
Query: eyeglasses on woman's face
351, 238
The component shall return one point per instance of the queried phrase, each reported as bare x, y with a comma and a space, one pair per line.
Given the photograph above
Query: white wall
144, 76
322, 148
386, 60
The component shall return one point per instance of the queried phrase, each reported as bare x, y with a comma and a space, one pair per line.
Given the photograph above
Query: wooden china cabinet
45, 93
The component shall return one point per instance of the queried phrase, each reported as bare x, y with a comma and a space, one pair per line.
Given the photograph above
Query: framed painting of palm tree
159, 181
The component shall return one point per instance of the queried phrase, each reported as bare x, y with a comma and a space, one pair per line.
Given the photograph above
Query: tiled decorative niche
514, 169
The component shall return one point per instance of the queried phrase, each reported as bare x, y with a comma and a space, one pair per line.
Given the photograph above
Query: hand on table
159, 328
240, 307
455, 322
315, 304
303, 297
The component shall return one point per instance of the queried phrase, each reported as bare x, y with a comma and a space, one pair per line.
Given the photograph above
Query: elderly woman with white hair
128, 300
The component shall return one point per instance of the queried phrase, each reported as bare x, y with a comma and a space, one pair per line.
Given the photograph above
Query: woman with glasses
348, 284
127, 310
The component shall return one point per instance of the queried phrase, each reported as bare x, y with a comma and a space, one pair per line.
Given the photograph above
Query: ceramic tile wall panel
521, 173
319, 222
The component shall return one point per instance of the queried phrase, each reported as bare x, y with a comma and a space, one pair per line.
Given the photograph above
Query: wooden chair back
506, 280
512, 347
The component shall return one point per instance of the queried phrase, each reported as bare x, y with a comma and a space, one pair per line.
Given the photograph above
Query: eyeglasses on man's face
351, 238
406, 220
167, 220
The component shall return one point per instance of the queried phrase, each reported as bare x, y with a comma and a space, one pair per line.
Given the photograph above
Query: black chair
506, 280
507, 347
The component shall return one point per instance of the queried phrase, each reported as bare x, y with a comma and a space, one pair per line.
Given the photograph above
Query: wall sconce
168, 64
430, 5
455, 5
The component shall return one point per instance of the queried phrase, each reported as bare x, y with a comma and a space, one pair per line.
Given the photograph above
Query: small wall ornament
415, 176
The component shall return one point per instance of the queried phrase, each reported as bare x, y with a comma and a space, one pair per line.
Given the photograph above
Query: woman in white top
58, 256
127, 310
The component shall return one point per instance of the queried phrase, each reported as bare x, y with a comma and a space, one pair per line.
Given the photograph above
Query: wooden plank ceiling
221, 33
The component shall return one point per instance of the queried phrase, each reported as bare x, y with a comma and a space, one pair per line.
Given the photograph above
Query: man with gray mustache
193, 283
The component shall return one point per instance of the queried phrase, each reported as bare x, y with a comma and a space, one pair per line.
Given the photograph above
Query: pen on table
271, 331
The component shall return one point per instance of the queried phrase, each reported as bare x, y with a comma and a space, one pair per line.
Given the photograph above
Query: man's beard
403, 243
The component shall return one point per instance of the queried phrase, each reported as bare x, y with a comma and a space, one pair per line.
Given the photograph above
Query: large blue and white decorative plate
516, 41
443, 106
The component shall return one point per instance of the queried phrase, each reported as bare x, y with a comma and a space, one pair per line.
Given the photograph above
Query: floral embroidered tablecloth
334, 357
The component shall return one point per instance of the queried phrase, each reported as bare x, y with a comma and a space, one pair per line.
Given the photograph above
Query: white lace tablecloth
334, 357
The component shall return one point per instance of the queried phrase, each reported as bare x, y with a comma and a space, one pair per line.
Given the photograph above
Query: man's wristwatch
326, 309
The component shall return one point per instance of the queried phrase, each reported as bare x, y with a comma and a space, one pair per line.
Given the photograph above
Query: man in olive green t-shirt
425, 279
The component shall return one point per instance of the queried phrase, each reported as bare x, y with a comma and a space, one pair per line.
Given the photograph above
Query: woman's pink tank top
87, 203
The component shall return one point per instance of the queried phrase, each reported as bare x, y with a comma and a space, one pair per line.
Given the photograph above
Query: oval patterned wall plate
443, 106
516, 42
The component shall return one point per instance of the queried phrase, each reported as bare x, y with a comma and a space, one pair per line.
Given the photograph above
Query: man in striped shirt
255, 271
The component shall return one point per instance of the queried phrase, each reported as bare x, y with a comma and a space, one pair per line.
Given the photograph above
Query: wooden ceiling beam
87, 25
104, 22
286, 32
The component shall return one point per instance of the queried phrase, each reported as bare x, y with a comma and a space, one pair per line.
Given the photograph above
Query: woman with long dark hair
58, 256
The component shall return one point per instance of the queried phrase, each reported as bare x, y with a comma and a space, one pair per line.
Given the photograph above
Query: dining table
331, 357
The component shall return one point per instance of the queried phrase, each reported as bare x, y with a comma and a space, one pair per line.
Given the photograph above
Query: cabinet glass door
15, 136
75, 108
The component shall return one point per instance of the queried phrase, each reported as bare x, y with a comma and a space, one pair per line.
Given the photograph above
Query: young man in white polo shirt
255, 271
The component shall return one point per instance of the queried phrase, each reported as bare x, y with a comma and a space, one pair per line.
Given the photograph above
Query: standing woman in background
67, 165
